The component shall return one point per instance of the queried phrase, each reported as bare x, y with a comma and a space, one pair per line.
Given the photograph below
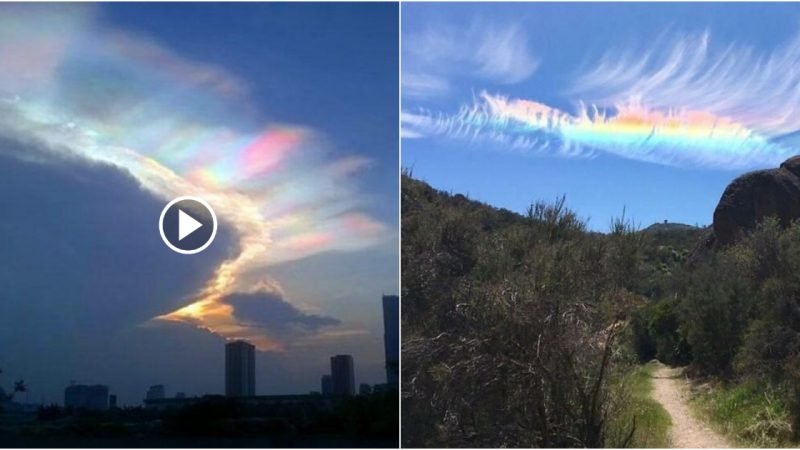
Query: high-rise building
342, 375
156, 392
90, 397
240, 369
327, 385
391, 337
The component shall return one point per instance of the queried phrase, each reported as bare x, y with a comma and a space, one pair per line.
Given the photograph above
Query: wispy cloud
420, 85
486, 52
180, 126
686, 70
630, 130
474, 124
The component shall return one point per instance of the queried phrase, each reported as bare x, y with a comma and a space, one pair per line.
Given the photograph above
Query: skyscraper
155, 392
240, 369
342, 375
327, 385
391, 337
90, 397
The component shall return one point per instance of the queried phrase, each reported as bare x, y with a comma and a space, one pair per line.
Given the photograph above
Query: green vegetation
752, 412
735, 317
515, 327
651, 419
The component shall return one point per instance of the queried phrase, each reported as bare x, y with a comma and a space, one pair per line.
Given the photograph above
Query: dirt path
671, 390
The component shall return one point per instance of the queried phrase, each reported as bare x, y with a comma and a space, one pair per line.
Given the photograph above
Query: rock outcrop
757, 195
749, 199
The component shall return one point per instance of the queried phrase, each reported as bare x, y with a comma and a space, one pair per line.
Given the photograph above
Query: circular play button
188, 225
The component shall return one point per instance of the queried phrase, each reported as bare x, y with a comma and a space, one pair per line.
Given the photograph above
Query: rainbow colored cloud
675, 137
181, 127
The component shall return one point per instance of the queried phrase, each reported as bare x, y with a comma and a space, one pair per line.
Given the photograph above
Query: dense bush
741, 308
657, 333
510, 323
739, 311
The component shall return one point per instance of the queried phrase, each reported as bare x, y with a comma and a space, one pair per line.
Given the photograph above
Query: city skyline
241, 375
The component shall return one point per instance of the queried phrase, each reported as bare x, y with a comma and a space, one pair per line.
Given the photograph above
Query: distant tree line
364, 420
19, 387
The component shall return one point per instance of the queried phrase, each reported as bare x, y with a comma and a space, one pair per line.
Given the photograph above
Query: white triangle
186, 225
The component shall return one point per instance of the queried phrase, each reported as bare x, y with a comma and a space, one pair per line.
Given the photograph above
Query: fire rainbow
630, 130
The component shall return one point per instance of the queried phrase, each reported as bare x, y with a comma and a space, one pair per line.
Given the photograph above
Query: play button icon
188, 225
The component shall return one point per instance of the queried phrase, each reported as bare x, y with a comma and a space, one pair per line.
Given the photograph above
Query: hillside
668, 227
491, 299
521, 329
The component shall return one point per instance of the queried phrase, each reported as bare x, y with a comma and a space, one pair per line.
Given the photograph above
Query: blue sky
283, 117
499, 102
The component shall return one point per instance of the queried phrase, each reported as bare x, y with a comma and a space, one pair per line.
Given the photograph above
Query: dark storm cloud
82, 268
270, 311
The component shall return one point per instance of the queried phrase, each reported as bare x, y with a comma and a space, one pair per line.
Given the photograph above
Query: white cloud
422, 85
503, 56
488, 52
474, 124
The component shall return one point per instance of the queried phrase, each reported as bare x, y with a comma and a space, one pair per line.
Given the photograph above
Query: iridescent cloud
181, 127
629, 130
758, 89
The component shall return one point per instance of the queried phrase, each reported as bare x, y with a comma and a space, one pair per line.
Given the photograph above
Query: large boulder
749, 199
756, 195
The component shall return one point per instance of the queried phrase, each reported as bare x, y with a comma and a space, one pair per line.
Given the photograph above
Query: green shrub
754, 412
511, 323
